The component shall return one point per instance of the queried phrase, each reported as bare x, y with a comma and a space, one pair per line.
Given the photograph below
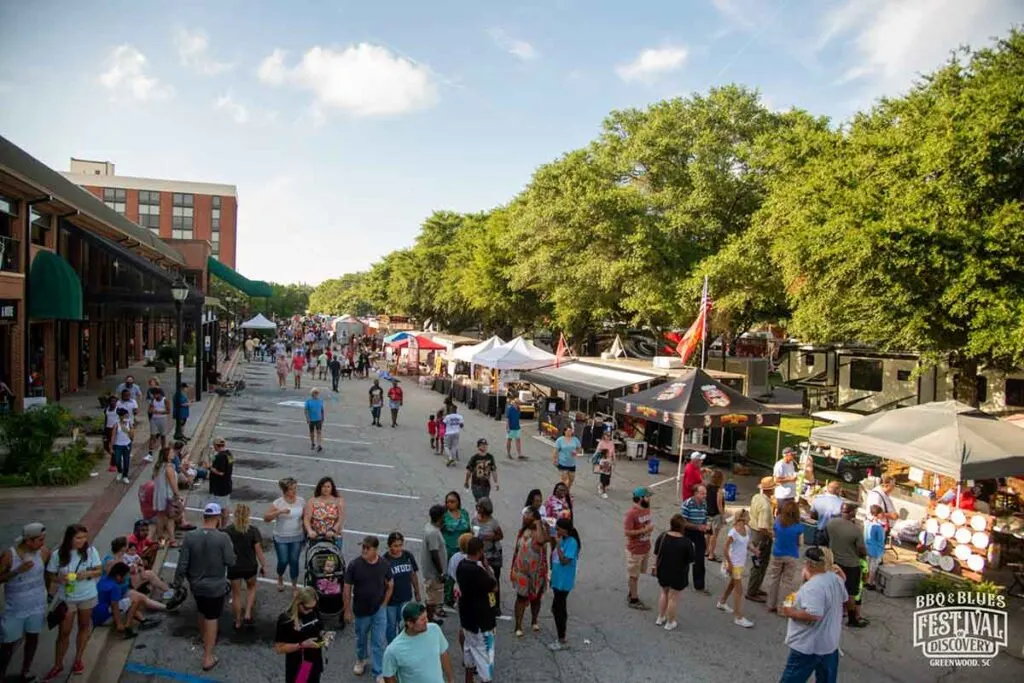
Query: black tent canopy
695, 400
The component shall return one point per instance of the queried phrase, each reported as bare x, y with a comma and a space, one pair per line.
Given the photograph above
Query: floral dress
323, 517
529, 567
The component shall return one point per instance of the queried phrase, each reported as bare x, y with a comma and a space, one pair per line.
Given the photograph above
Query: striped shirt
695, 512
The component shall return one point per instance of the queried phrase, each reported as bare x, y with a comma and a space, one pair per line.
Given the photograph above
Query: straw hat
767, 483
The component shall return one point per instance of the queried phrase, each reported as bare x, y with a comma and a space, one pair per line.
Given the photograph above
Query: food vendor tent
945, 437
584, 380
467, 353
418, 341
347, 325
517, 354
696, 400
259, 323
396, 336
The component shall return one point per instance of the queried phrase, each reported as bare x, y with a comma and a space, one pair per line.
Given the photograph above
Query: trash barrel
730, 493
653, 464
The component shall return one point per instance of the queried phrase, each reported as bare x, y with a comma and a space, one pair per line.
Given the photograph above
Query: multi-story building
172, 209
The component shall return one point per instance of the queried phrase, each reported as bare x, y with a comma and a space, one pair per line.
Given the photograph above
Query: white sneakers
743, 621
148, 457
360, 667
724, 607
671, 625
126, 480
659, 621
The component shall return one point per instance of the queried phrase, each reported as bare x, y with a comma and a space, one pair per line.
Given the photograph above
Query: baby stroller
325, 574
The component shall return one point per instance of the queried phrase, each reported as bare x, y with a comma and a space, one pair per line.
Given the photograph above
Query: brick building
172, 209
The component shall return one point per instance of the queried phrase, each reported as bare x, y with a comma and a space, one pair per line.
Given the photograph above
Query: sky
345, 123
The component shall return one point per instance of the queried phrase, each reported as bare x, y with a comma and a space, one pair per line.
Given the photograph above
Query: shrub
28, 437
165, 354
944, 583
159, 366
69, 466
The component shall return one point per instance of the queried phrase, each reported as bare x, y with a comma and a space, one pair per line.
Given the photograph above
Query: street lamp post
179, 290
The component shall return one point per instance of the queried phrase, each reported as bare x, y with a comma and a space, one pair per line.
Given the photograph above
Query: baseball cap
33, 530
481, 442
697, 455
219, 441
211, 510
641, 492
412, 611
789, 450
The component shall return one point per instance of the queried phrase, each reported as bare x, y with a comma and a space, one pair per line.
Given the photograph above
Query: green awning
237, 280
55, 292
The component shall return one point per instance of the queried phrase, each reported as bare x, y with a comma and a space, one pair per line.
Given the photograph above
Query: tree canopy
903, 228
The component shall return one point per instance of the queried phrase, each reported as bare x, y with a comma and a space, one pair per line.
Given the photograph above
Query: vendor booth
692, 412
949, 461
259, 322
346, 327
414, 353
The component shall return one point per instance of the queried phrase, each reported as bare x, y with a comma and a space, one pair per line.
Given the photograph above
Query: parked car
849, 466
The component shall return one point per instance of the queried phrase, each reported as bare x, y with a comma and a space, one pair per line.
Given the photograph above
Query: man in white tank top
22, 573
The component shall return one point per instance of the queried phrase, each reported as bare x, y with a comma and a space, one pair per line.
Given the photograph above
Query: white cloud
514, 46
238, 111
194, 53
360, 80
126, 79
894, 41
652, 63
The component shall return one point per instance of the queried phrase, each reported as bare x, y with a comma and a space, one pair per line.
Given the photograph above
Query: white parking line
314, 457
659, 483
261, 579
290, 436
368, 493
281, 419
354, 532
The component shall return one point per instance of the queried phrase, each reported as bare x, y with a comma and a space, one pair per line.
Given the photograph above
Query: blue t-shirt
416, 659
402, 569
566, 450
787, 540
827, 506
181, 405
512, 415
315, 409
108, 592
563, 576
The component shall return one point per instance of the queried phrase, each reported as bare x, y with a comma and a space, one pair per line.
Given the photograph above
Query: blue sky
345, 123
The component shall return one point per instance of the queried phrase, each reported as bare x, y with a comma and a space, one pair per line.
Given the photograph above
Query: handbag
56, 615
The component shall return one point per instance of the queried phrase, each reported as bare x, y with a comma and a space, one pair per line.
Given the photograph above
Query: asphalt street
389, 479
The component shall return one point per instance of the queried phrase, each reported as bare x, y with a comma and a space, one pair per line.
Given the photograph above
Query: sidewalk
108, 508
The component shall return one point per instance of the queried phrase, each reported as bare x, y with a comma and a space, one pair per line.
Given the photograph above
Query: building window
40, 226
1014, 393
115, 198
809, 360
149, 210
903, 375
182, 216
865, 374
8, 206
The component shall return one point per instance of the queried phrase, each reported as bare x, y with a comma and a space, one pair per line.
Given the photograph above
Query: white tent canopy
348, 325
467, 354
517, 354
259, 323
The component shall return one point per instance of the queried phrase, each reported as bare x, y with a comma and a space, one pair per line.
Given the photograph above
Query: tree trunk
965, 380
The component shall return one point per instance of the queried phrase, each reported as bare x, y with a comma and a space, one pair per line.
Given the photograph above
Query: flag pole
704, 331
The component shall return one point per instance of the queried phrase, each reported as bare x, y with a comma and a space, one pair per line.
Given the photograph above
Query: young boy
432, 431
874, 542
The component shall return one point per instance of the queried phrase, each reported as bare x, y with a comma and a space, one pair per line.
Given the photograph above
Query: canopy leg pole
778, 439
679, 465
958, 495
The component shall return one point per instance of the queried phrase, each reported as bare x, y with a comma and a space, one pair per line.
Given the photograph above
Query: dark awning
586, 381
139, 263
237, 280
55, 292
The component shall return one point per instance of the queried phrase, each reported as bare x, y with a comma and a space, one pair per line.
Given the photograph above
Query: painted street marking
354, 532
293, 404
659, 483
261, 579
280, 419
313, 457
290, 436
313, 486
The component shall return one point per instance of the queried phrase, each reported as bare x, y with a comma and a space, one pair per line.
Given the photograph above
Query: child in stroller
329, 584
325, 573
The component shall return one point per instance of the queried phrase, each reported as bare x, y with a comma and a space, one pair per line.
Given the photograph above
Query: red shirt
298, 361
692, 476
431, 426
142, 544
395, 394
637, 518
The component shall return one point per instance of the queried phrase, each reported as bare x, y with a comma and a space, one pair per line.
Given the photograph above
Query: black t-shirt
476, 600
480, 467
368, 583
334, 365
674, 555
245, 548
376, 396
310, 626
220, 484
402, 569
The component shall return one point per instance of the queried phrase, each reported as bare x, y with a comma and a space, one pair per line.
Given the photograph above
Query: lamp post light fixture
179, 291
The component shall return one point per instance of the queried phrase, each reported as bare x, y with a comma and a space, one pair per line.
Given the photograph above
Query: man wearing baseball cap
693, 474
22, 574
420, 651
220, 476
480, 469
638, 528
761, 519
785, 477
206, 554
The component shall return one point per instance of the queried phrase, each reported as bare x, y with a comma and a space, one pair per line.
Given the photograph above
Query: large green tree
910, 234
